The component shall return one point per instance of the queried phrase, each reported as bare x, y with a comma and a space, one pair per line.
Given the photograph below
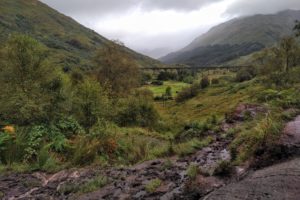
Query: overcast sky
157, 27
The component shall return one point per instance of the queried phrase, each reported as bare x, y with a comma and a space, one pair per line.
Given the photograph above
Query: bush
187, 93
138, 111
243, 75
215, 81
223, 169
205, 82
157, 82
165, 75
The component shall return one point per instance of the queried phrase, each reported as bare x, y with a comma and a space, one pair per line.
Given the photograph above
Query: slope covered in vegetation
70, 43
235, 38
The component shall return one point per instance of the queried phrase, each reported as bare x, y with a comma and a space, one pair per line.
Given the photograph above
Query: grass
159, 90
153, 185
94, 184
190, 147
192, 172
216, 100
89, 186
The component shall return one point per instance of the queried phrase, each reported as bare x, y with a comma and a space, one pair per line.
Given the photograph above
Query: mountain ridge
250, 34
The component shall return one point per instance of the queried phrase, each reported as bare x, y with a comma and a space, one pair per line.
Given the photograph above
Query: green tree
91, 103
168, 92
297, 28
30, 87
116, 69
288, 50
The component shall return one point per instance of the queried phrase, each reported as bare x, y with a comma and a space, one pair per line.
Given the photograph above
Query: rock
277, 182
291, 136
243, 111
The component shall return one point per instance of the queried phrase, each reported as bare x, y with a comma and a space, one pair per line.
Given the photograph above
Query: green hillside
71, 44
235, 38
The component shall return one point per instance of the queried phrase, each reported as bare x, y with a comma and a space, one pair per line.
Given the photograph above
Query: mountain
235, 38
156, 53
70, 43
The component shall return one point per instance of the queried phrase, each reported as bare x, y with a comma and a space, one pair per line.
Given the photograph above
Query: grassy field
215, 100
159, 90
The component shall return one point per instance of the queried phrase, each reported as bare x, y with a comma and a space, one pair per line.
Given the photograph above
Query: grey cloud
182, 5
247, 7
90, 7
102, 7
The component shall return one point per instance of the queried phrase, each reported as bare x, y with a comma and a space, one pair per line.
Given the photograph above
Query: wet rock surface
277, 182
291, 136
123, 183
280, 181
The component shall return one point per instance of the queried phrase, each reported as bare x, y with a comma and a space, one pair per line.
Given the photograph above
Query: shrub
138, 112
215, 81
205, 82
243, 75
165, 75
157, 82
223, 169
187, 93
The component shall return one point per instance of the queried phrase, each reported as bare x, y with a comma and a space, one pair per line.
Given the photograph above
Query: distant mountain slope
71, 44
235, 38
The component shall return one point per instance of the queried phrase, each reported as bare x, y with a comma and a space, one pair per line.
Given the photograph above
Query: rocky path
124, 183
277, 182
291, 136
281, 181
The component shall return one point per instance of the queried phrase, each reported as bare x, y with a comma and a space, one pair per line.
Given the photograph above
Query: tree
297, 28
30, 88
91, 103
168, 92
116, 69
288, 50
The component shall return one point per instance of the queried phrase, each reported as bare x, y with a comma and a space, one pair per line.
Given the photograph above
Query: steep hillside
235, 38
71, 44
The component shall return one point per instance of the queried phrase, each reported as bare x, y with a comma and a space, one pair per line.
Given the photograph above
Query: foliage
167, 75
215, 81
93, 184
192, 172
187, 93
205, 82
187, 148
153, 185
90, 103
224, 168
263, 134
114, 67
138, 111
31, 91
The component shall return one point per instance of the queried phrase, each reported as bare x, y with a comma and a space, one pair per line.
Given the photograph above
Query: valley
86, 117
